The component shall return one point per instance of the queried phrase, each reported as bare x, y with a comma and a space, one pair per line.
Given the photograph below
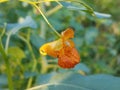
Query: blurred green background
23, 30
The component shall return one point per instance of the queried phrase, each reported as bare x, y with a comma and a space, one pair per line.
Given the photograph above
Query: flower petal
69, 59
63, 49
51, 48
68, 33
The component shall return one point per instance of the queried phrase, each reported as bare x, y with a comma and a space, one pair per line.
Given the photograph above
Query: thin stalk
33, 57
34, 64
43, 58
7, 42
50, 12
8, 70
5, 58
77, 1
58, 2
42, 29
38, 8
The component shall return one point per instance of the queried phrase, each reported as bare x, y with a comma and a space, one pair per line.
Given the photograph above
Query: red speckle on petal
65, 62
69, 59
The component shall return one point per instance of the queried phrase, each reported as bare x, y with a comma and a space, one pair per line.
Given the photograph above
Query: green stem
38, 8
50, 12
33, 57
44, 63
34, 64
4, 55
77, 1
7, 42
8, 70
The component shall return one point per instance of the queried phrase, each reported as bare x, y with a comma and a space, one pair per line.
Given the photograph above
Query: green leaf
82, 67
36, 40
73, 7
28, 22
91, 35
75, 81
29, 74
16, 53
102, 15
3, 81
82, 6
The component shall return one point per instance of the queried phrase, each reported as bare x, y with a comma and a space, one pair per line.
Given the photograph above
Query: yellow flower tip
42, 50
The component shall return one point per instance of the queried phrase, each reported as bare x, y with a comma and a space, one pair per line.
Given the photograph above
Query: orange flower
63, 49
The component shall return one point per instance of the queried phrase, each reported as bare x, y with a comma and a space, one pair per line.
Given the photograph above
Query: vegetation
25, 25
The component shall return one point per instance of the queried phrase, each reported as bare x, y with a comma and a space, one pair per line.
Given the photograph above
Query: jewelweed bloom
63, 49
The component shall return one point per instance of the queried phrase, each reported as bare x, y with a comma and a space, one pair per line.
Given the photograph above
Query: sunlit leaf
73, 7
16, 53
36, 40
81, 7
102, 15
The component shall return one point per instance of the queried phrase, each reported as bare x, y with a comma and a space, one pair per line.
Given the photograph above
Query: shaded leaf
82, 67
75, 81
91, 34
29, 74
3, 80
28, 22
36, 40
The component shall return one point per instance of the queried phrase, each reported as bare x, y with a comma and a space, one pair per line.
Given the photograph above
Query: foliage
25, 25
65, 81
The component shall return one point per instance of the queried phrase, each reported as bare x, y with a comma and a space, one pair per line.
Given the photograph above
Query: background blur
23, 30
